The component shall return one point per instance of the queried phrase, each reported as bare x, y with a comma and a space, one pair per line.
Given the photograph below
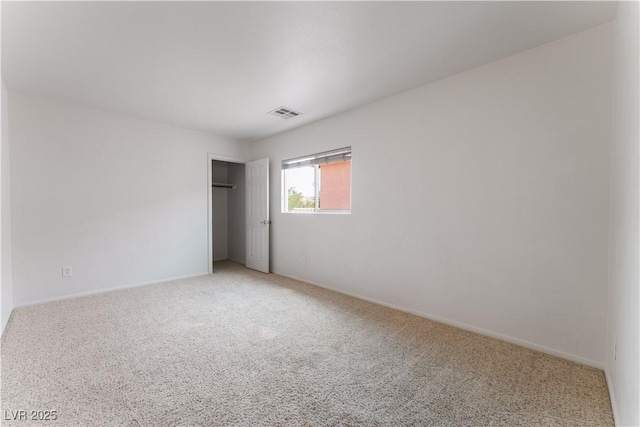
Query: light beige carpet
243, 348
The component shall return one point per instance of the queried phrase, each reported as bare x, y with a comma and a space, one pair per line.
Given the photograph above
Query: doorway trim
210, 158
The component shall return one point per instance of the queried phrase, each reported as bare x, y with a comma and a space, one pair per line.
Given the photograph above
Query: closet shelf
223, 185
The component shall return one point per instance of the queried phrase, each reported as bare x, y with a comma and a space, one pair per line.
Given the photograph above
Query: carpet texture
243, 348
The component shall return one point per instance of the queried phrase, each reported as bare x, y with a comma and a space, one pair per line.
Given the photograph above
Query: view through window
318, 182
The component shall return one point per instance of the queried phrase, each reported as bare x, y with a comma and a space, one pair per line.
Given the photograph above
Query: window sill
325, 212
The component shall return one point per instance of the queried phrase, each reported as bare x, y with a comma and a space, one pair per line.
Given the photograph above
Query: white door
257, 175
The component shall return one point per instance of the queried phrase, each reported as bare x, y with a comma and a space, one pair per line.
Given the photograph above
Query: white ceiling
219, 67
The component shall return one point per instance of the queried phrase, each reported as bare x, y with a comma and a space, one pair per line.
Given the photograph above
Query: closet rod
223, 185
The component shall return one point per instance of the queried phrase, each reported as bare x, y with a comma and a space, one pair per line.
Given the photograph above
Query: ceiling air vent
283, 112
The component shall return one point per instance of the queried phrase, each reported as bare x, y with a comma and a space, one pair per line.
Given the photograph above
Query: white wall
122, 200
6, 291
219, 201
623, 319
481, 199
237, 213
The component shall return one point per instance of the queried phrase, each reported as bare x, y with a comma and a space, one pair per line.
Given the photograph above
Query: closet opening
226, 212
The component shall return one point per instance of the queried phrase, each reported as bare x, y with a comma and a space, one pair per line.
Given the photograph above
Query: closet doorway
227, 217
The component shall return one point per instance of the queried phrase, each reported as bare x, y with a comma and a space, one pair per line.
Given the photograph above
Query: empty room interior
320, 213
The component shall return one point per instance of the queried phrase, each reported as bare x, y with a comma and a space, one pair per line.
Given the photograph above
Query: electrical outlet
615, 348
67, 271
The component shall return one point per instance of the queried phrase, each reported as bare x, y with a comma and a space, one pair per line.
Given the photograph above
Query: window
318, 182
